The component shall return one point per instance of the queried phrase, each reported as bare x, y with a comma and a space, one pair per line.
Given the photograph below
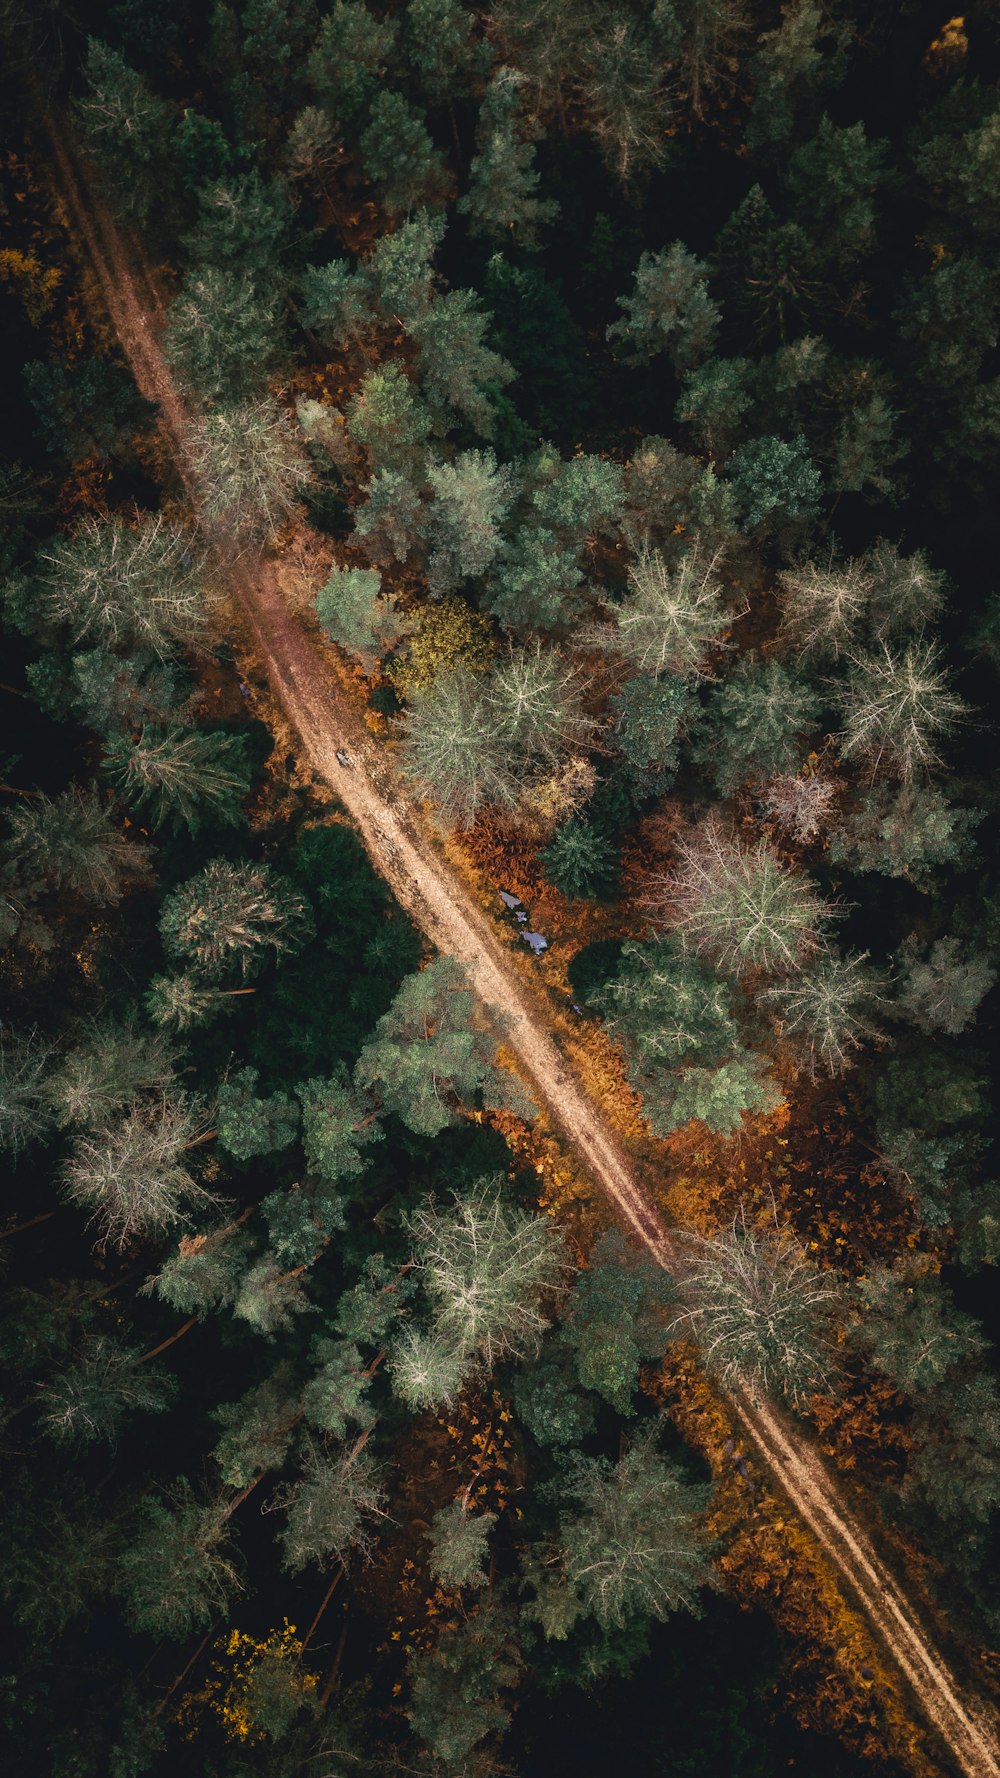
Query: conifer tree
177, 1572
827, 1011
111, 1062
87, 1402
737, 905
484, 1267
755, 723
833, 180
24, 1090
399, 156
223, 336
458, 1538
329, 1512
762, 1314
337, 1123
180, 775
439, 48
251, 468
388, 417
229, 916
624, 93
670, 617
669, 311
352, 611
896, 705
250, 1125
124, 585
132, 1173
72, 844
471, 498
348, 60
129, 130
631, 1544
430, 1053
940, 989
458, 371
502, 197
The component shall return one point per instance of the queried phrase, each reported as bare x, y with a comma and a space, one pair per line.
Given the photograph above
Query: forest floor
410, 856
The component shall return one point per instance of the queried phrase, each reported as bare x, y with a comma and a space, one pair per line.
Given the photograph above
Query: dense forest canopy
614, 390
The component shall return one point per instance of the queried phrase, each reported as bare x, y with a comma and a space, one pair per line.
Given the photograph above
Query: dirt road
406, 854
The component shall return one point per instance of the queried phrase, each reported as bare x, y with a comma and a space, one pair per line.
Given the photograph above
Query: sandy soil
407, 855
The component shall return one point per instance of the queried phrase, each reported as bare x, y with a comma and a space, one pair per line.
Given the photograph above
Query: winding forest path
406, 854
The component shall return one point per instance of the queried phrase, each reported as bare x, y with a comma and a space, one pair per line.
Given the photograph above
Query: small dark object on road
343, 759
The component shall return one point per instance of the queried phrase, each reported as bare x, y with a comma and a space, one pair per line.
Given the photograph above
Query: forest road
405, 853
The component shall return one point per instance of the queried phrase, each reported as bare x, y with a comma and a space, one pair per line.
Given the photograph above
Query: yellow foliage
234, 1687
35, 283
447, 634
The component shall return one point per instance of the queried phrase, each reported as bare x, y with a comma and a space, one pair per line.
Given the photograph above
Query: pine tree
631, 1546
251, 468
87, 1402
224, 335
430, 1053
177, 1573
204, 1272
615, 1316
131, 586
388, 417
471, 498
580, 860
313, 150
755, 723
354, 614
649, 716
762, 1314
456, 1687
390, 524
774, 482
183, 1002
502, 197
896, 704
738, 905
455, 752
940, 989
457, 370
790, 66
716, 1097
399, 157
910, 1330
670, 617
257, 1430
832, 181
250, 1125
329, 1512
458, 1539
132, 1174
624, 95
484, 1267
903, 831
72, 844
712, 34
181, 776
229, 916
349, 58
129, 130
110, 1063
337, 1123
714, 400
669, 311
439, 49
24, 1090
826, 1012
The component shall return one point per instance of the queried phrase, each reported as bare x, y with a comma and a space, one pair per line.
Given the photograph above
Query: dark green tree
669, 311
614, 1317
129, 131
349, 58
250, 1125
502, 199
755, 724
400, 158
71, 844
183, 776
178, 1571
431, 1052
581, 860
